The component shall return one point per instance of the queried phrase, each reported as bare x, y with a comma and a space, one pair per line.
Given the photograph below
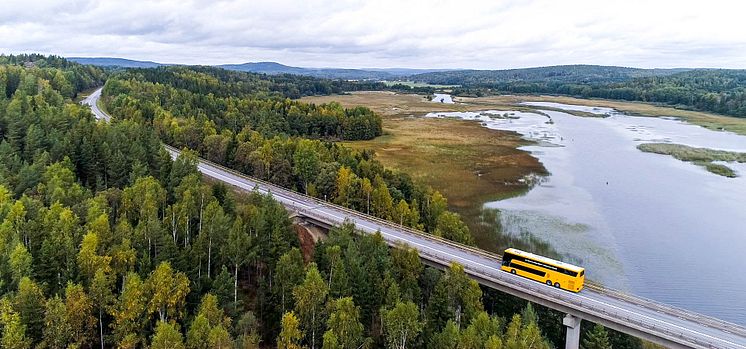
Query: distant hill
115, 62
581, 74
327, 73
270, 68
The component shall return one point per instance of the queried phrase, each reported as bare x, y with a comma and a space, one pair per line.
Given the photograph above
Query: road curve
92, 101
644, 318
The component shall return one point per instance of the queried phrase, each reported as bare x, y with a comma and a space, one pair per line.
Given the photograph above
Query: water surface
642, 222
442, 98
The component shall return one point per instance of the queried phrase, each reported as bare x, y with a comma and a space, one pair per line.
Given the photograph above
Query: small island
700, 156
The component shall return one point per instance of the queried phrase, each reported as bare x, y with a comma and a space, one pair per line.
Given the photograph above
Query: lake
640, 222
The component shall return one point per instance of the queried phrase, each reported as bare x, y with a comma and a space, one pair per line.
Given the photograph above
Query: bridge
650, 320
643, 318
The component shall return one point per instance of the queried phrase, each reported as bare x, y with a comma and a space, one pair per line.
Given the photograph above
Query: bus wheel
557, 285
512, 271
549, 282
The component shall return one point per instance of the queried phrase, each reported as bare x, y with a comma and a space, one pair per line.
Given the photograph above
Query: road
91, 101
633, 315
616, 310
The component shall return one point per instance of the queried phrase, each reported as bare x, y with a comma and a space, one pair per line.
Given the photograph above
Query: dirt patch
307, 243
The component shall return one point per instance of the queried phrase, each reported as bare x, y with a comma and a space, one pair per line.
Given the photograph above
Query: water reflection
648, 223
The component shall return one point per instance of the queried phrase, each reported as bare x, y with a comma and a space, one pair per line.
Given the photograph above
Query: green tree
13, 330
129, 311
449, 338
407, 267
309, 299
401, 325
167, 336
89, 261
520, 335
338, 281
239, 249
199, 333
102, 297
306, 162
597, 338
450, 226
167, 290
288, 274
29, 303
57, 331
290, 335
344, 323
20, 263
219, 338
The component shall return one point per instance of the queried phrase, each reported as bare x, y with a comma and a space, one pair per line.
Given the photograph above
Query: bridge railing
647, 303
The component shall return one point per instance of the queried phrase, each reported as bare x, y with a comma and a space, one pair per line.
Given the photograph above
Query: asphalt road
656, 319
91, 102
702, 331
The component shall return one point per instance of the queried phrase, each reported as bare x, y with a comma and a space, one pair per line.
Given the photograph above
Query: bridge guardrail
647, 303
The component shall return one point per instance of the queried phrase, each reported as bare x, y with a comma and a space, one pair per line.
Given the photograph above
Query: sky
492, 34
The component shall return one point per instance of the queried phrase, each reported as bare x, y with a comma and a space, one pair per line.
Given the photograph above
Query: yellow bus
543, 269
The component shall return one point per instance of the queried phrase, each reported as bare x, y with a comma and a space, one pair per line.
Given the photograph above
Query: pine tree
597, 338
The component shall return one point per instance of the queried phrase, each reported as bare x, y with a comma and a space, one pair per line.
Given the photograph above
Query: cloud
443, 34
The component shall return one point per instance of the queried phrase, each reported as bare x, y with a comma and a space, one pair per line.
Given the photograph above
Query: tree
366, 188
29, 303
57, 332
407, 267
167, 290
219, 338
78, 314
13, 330
524, 335
238, 249
338, 281
212, 227
401, 325
449, 338
89, 261
290, 334
480, 330
345, 179
382, 203
288, 274
20, 263
129, 310
344, 323
199, 333
309, 298
102, 297
450, 226
597, 338
167, 336
306, 162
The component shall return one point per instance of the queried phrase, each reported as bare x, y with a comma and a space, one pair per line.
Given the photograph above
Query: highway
91, 102
672, 327
650, 320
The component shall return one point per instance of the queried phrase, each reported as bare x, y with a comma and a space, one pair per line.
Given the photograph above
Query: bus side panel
526, 274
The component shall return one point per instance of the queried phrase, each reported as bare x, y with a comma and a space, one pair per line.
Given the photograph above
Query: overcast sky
488, 34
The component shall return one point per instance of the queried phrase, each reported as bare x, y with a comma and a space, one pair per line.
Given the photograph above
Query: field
468, 163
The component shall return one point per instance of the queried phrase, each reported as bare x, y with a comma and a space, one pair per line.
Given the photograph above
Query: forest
714, 90
286, 142
105, 241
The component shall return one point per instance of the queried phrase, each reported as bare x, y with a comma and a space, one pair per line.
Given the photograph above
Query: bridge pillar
572, 339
